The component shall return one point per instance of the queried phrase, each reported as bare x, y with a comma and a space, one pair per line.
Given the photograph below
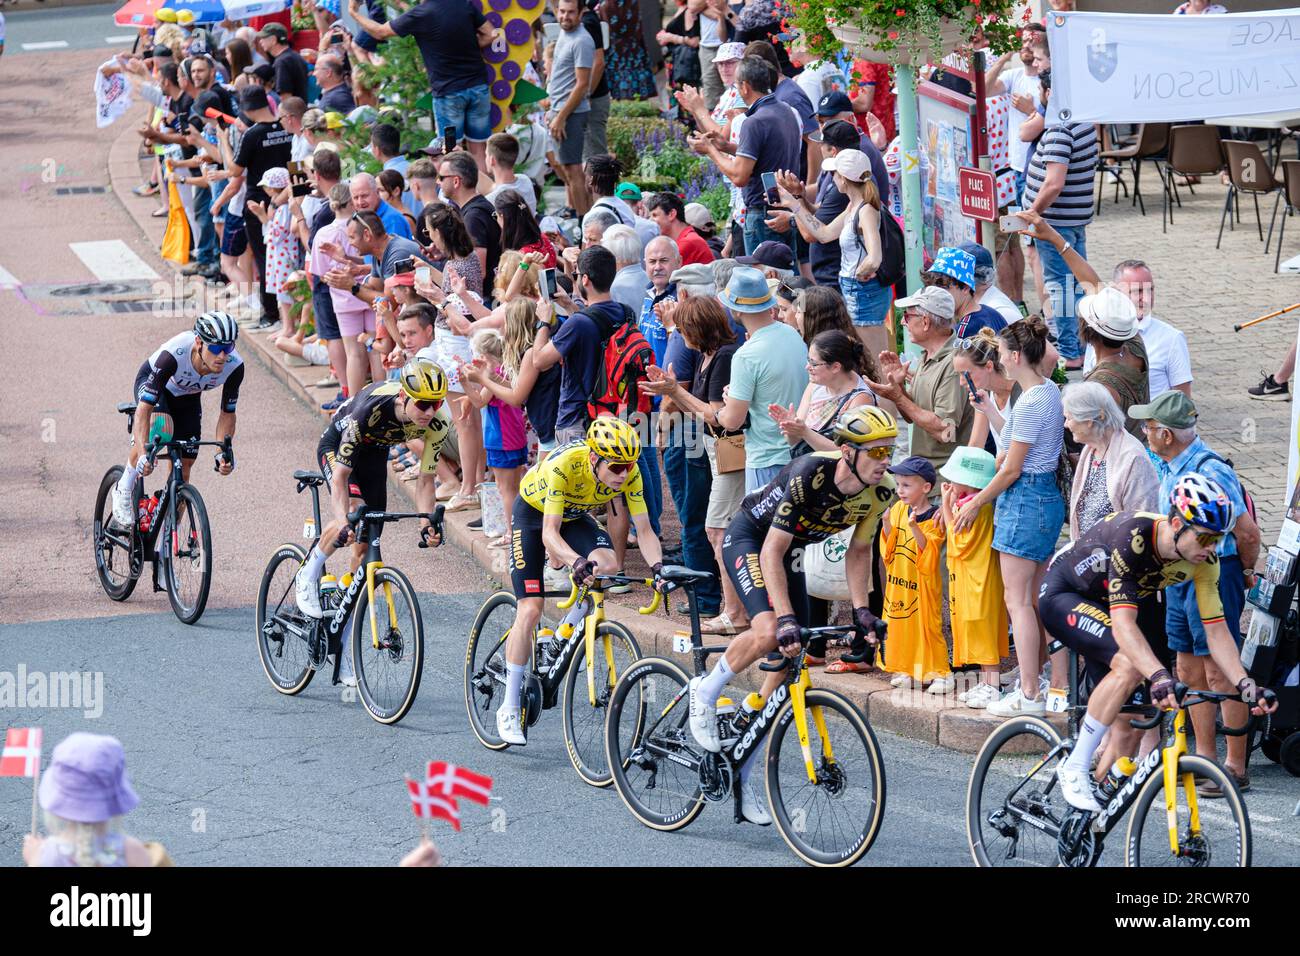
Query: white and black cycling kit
171, 384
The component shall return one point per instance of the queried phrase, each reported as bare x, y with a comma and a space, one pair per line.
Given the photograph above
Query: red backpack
627, 357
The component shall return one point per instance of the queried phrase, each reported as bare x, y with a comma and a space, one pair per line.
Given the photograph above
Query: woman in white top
837, 363
995, 390
1029, 509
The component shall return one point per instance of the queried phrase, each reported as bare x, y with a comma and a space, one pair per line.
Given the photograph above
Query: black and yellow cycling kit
1115, 565
362, 431
565, 485
804, 501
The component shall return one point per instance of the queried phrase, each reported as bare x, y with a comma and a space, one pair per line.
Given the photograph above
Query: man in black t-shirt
265, 146
598, 98
459, 176
288, 65
450, 34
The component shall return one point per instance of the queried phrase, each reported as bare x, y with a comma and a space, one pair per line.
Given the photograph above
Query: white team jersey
186, 380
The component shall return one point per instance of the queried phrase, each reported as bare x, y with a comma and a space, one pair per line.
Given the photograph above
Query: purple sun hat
86, 781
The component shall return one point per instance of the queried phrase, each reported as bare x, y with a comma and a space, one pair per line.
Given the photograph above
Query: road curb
940, 721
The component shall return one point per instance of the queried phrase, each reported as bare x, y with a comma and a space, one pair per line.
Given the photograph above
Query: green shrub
621, 133
642, 109
718, 200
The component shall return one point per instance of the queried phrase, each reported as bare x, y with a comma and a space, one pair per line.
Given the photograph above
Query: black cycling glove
866, 623
1252, 693
583, 568
661, 584
788, 631
1162, 685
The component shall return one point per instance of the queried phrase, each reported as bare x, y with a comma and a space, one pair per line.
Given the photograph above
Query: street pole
909, 162
983, 159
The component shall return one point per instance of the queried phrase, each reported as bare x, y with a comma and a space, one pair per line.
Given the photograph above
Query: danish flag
426, 804
449, 780
21, 756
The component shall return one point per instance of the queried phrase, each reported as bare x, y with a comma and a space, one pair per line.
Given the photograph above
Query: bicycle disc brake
1076, 843
532, 699
317, 646
717, 777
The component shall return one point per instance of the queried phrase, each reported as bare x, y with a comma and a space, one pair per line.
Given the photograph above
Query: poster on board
946, 145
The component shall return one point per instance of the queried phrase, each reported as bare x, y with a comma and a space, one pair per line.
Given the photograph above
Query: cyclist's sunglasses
427, 404
217, 349
879, 453
618, 467
1205, 539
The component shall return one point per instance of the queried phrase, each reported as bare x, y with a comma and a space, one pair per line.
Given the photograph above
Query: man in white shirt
502, 154
1170, 359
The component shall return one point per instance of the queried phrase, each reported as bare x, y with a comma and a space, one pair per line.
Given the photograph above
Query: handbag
803, 448
731, 453
825, 571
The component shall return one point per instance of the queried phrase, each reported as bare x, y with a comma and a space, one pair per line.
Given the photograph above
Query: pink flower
893, 34
900, 12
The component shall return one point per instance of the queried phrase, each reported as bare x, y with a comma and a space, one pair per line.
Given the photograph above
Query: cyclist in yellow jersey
554, 513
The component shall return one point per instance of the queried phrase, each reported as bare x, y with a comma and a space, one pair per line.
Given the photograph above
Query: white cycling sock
1091, 731
514, 683
316, 563
712, 686
129, 477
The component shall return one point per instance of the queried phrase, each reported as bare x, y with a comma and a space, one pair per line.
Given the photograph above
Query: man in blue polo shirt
365, 198
1169, 421
770, 142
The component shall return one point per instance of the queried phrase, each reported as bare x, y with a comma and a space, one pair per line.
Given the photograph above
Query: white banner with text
1115, 67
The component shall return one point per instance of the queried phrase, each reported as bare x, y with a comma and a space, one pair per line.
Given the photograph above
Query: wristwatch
356, 287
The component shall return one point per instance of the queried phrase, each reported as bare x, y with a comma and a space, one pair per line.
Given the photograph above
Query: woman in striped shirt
1029, 509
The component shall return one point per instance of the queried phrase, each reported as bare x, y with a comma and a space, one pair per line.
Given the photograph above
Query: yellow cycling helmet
614, 440
423, 380
865, 425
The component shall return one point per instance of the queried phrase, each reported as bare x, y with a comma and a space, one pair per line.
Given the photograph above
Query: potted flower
905, 31
305, 34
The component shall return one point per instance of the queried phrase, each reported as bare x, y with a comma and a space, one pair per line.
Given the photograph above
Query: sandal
812, 661
145, 189
159, 213
846, 666
722, 624
410, 473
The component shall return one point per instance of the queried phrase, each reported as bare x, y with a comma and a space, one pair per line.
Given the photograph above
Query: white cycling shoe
1076, 787
307, 593
509, 728
752, 805
347, 676
704, 719
123, 507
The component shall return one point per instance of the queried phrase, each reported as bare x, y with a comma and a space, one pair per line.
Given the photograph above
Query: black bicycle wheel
187, 544
1014, 809
584, 723
388, 675
116, 549
1223, 836
485, 666
282, 630
834, 821
649, 721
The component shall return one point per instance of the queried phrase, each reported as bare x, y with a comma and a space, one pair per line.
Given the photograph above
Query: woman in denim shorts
1029, 509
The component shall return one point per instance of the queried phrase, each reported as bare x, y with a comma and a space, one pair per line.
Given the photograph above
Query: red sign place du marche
978, 191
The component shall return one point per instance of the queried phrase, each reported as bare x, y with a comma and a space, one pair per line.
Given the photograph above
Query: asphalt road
231, 772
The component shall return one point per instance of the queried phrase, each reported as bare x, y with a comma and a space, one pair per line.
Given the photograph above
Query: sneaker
901, 681
980, 696
476, 524
556, 579
191, 268
347, 675
752, 805
331, 406
123, 507
307, 594
1016, 704
940, 686
1076, 787
1270, 391
508, 727
704, 721
1010, 678
618, 588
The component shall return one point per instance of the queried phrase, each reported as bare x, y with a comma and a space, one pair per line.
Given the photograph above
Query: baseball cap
436, 146
628, 191
262, 71
253, 98
695, 274
839, 134
983, 258
728, 52
698, 215
770, 253
955, 264
277, 177
1170, 408
834, 103
852, 164
934, 300
918, 466
161, 51
274, 29
973, 467
549, 225
1109, 313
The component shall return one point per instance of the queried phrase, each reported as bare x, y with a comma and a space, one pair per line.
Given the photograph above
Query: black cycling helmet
216, 328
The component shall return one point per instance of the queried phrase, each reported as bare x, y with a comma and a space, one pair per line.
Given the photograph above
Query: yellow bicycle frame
798, 698
1170, 756
592, 621
371, 568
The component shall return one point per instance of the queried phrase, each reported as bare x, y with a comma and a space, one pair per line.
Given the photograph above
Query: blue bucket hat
748, 291
956, 264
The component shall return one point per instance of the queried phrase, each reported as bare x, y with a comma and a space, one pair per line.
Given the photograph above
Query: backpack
1205, 456
627, 356
893, 263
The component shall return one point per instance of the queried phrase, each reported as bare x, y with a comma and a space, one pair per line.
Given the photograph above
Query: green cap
1172, 409
969, 466
628, 191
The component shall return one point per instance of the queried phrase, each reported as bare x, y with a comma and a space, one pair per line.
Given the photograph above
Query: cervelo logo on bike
756, 729
1121, 798
341, 615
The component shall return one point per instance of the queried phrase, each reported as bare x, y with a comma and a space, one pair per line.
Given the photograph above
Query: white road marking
125, 38
1290, 265
111, 260
46, 45
8, 280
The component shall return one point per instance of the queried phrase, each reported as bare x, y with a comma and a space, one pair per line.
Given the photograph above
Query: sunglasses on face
217, 349
1206, 540
618, 467
427, 405
879, 453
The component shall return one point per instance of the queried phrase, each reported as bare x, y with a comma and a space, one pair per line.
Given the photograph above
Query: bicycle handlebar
182, 444
805, 633
1189, 697
226, 452
577, 590
363, 516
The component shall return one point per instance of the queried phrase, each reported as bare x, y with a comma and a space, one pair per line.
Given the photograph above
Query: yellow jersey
565, 484
975, 600
914, 597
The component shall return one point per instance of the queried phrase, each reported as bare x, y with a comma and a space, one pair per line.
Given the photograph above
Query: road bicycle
1016, 815
387, 634
825, 780
584, 655
170, 529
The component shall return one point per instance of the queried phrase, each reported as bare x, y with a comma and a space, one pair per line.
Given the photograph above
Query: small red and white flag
450, 780
21, 756
426, 804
